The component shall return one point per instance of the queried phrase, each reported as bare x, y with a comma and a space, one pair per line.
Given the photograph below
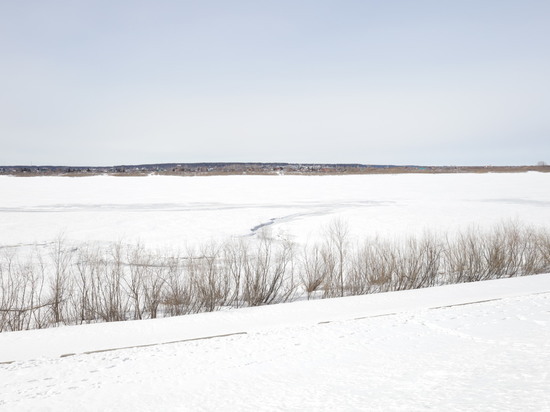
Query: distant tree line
207, 169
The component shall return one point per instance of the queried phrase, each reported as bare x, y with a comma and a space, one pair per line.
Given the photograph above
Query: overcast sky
377, 82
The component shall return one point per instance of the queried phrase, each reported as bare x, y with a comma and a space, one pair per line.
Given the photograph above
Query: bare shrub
269, 273
537, 260
154, 286
464, 258
417, 263
505, 250
84, 299
60, 280
324, 265
338, 232
21, 289
541, 250
74, 285
235, 263
209, 281
178, 296
313, 270
371, 269
138, 266
110, 301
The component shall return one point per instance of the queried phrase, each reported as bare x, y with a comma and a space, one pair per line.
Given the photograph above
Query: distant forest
206, 169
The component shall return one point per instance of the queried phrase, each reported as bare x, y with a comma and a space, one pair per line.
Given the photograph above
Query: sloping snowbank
440, 351
63, 341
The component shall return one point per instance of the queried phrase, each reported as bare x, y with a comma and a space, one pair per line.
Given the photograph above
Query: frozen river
170, 211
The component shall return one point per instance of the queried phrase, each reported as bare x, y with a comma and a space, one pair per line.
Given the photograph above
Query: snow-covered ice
174, 211
408, 350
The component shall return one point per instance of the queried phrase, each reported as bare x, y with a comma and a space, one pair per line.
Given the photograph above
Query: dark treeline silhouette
221, 168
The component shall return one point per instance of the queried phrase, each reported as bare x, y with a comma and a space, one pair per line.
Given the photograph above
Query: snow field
172, 212
481, 346
489, 355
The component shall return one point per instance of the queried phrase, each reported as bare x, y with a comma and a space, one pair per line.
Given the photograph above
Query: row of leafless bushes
75, 284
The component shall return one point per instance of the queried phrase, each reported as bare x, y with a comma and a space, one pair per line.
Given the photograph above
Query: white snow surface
479, 346
482, 346
174, 211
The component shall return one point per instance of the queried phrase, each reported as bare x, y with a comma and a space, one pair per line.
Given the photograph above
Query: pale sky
377, 82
